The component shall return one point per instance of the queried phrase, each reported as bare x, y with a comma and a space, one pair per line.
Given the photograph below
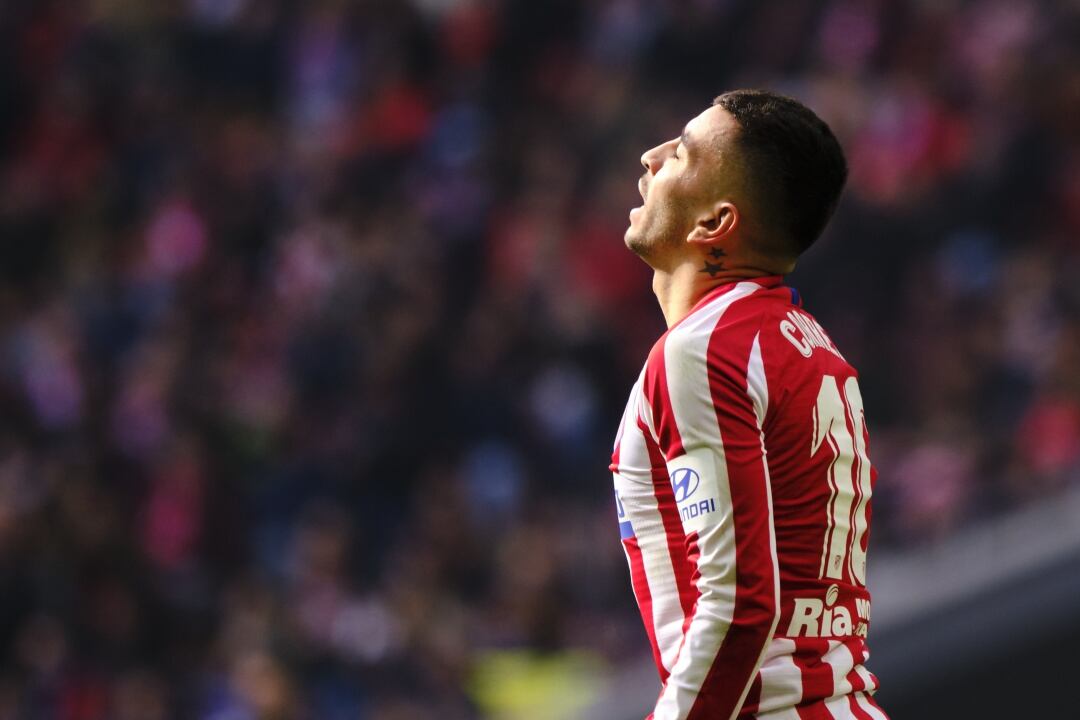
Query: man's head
757, 175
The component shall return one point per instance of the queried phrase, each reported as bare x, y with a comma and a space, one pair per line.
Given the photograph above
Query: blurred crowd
316, 324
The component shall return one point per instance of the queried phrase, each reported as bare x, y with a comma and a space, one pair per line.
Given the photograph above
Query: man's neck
680, 289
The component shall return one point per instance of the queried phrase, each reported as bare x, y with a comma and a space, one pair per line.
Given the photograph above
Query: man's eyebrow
685, 137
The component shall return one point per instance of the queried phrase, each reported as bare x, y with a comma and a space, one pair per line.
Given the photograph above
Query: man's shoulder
741, 310
768, 321
719, 333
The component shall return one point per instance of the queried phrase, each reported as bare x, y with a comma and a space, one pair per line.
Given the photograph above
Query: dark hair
795, 166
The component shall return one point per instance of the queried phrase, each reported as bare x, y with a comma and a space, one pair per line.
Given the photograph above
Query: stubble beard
637, 244
649, 243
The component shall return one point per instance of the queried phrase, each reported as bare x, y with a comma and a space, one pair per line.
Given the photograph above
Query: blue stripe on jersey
795, 298
626, 531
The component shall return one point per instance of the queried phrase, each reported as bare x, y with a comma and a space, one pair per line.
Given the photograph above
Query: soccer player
742, 479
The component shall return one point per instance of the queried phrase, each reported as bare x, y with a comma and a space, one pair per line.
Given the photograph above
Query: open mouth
643, 191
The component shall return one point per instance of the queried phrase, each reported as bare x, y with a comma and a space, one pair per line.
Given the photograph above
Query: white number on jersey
848, 478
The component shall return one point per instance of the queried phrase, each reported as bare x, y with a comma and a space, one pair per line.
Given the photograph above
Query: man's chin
636, 243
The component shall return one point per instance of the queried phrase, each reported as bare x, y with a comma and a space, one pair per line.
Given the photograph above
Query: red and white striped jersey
743, 485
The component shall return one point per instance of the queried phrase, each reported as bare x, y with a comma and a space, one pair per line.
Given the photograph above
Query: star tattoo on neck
714, 268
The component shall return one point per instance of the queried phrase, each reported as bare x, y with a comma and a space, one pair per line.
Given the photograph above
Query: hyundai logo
684, 482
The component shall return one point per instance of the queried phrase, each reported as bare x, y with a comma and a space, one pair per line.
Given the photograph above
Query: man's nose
651, 159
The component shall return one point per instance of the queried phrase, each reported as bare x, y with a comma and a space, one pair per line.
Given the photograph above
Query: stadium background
316, 323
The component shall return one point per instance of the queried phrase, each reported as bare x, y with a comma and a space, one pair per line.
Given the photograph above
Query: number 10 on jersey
848, 478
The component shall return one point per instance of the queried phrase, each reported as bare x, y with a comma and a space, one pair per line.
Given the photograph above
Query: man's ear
716, 225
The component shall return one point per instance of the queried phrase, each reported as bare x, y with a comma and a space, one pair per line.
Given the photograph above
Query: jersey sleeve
709, 401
